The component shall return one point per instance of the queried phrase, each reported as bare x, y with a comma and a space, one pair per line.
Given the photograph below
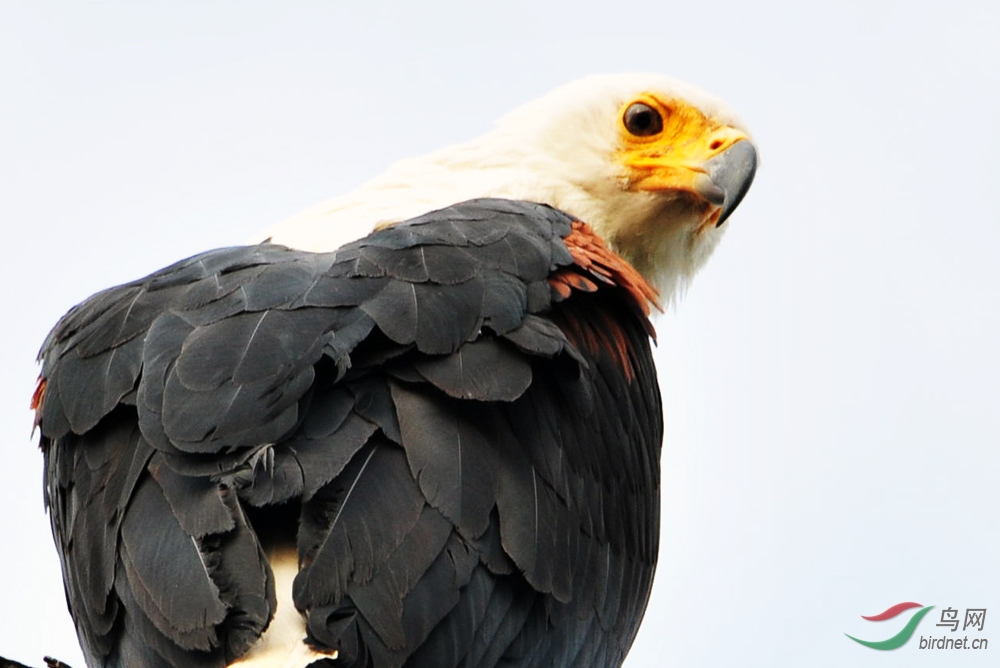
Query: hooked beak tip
732, 172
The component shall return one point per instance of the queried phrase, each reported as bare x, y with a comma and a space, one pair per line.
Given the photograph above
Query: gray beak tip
733, 171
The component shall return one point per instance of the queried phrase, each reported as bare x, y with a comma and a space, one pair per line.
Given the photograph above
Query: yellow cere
673, 158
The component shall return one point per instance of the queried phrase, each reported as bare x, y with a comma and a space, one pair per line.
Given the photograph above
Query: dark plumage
456, 420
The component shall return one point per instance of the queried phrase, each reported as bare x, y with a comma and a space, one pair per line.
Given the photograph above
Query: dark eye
642, 120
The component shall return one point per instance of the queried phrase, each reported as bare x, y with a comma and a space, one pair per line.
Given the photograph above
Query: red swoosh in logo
891, 612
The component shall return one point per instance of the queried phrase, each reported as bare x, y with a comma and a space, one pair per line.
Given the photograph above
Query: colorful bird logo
904, 635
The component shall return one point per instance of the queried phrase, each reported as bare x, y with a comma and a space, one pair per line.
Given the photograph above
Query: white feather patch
283, 644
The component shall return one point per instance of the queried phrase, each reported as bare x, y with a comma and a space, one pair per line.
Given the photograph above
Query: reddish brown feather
591, 254
594, 330
560, 286
36, 399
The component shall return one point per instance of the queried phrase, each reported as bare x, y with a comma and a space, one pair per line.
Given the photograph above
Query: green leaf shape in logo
900, 638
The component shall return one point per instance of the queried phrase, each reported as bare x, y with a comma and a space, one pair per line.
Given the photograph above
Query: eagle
417, 425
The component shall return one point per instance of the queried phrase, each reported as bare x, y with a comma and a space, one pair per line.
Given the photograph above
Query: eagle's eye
642, 120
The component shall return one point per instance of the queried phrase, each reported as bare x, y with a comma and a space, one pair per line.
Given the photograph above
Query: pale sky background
831, 379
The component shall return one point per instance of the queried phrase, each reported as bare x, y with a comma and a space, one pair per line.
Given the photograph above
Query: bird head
655, 166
